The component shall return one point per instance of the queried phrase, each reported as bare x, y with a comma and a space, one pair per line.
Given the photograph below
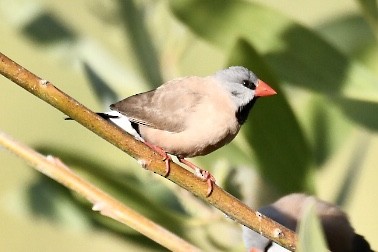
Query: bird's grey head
241, 84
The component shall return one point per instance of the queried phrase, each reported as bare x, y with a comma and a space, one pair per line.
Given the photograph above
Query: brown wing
164, 108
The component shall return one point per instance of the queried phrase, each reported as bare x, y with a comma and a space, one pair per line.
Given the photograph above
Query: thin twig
102, 202
220, 199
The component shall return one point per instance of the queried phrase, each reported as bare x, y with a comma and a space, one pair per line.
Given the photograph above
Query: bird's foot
202, 174
166, 158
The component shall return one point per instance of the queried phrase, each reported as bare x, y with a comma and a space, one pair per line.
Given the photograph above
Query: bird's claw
202, 174
167, 161
166, 158
208, 177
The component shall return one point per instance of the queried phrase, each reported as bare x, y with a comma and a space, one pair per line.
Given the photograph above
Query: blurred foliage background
318, 135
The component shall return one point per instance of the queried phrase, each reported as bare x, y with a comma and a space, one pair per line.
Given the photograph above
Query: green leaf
141, 41
296, 54
328, 128
125, 187
103, 91
45, 28
349, 33
370, 9
273, 131
353, 169
359, 111
310, 234
371, 6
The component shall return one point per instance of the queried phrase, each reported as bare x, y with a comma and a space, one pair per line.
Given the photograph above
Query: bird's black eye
249, 84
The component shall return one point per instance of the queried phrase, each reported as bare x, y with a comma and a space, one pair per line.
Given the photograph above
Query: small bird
287, 210
191, 116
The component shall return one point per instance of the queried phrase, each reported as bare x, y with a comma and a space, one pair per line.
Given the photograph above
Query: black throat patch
242, 113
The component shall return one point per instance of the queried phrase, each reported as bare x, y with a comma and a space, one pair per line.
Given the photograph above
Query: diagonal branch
220, 199
102, 202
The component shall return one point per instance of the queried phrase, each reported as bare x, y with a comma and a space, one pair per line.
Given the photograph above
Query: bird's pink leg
165, 156
202, 174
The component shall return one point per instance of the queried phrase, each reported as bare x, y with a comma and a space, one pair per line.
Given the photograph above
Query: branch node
278, 233
144, 163
98, 206
44, 82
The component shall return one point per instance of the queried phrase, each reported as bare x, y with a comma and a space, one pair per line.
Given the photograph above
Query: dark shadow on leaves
141, 41
353, 170
102, 90
321, 126
127, 188
46, 194
349, 33
320, 67
48, 29
363, 113
273, 131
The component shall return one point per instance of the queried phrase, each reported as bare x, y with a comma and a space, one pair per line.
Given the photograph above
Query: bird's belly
195, 141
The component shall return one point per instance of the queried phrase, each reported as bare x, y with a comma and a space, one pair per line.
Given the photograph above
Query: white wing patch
124, 123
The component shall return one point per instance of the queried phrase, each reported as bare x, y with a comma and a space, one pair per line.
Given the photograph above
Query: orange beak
263, 89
